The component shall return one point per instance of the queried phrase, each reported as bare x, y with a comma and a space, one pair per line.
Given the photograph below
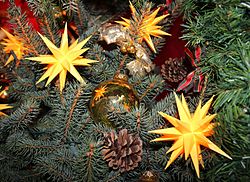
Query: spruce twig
26, 37
78, 93
121, 64
149, 88
46, 25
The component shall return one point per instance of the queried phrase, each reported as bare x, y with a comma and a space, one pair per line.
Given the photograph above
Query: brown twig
150, 87
204, 87
113, 178
84, 125
121, 65
32, 47
71, 113
49, 29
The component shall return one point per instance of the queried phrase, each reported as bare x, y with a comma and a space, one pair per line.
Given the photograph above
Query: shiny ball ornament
123, 49
131, 49
109, 95
4, 86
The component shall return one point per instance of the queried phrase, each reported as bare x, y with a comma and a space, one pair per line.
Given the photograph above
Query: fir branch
91, 166
81, 17
22, 117
149, 88
22, 27
51, 167
46, 24
77, 96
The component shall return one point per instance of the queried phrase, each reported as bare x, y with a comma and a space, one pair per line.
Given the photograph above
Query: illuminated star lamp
189, 133
63, 59
145, 27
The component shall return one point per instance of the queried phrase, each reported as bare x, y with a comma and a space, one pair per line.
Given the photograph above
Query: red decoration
24, 8
195, 78
174, 46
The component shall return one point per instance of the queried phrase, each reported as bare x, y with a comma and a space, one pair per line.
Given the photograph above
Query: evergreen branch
113, 177
47, 26
77, 96
49, 167
23, 28
138, 120
26, 37
25, 115
81, 17
121, 64
149, 88
91, 166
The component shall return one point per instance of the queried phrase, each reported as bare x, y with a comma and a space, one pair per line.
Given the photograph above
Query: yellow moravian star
144, 27
189, 132
15, 44
63, 59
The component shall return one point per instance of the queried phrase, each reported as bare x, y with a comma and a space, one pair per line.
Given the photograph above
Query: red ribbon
195, 78
168, 2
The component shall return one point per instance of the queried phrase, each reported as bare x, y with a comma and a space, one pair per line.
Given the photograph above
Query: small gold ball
131, 49
123, 49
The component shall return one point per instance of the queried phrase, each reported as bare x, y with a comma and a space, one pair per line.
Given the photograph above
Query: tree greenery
51, 136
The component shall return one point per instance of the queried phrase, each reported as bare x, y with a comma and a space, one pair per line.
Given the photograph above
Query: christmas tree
125, 91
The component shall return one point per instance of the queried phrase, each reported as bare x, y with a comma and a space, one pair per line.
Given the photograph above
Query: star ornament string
63, 59
189, 133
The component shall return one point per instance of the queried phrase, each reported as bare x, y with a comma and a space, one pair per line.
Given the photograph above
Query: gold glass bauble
110, 94
123, 49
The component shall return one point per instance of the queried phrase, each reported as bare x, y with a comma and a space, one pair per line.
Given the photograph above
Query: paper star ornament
63, 59
100, 92
144, 26
190, 132
15, 44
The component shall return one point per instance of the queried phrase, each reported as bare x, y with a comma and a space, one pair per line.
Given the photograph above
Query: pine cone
122, 152
173, 70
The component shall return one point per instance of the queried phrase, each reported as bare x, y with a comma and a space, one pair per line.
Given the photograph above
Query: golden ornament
109, 94
15, 44
131, 49
99, 92
123, 48
4, 86
113, 33
145, 26
3, 92
189, 133
63, 59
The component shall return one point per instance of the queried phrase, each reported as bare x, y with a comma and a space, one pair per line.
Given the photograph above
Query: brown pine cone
173, 70
122, 152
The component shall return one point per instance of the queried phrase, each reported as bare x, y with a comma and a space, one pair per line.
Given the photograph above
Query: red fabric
24, 8
198, 53
174, 47
3, 15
